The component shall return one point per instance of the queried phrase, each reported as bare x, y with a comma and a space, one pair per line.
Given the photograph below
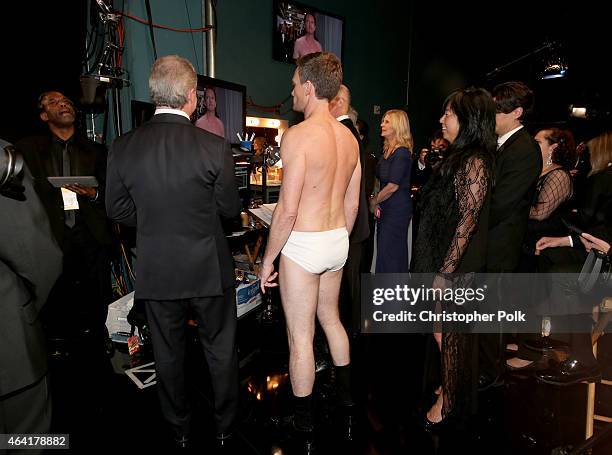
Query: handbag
596, 270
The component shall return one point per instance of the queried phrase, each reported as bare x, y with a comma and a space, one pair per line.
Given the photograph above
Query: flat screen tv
300, 30
221, 108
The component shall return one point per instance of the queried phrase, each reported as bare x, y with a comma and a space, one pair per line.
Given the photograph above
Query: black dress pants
351, 289
217, 322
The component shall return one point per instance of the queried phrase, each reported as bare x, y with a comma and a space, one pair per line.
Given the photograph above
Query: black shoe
486, 382
545, 344
569, 372
535, 365
225, 443
299, 441
182, 443
347, 420
302, 442
322, 365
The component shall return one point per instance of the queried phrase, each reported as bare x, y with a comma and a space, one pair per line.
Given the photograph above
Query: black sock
343, 384
304, 413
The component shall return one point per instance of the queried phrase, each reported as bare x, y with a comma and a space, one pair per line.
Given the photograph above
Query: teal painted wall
375, 50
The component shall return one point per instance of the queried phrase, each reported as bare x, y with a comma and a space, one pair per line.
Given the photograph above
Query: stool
602, 316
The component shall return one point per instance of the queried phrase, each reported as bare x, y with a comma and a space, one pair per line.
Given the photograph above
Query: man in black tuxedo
30, 262
355, 265
173, 181
518, 166
79, 301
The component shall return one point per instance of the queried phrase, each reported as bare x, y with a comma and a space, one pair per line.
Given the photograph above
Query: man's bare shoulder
345, 133
307, 131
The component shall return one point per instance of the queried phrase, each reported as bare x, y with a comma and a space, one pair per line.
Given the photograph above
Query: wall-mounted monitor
300, 30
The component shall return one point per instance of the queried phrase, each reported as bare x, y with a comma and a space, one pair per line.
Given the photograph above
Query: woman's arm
591, 242
386, 192
556, 189
471, 186
400, 168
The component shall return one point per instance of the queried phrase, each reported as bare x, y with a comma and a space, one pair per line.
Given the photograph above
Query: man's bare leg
299, 292
329, 317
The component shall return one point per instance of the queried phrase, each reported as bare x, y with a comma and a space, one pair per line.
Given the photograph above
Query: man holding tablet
78, 302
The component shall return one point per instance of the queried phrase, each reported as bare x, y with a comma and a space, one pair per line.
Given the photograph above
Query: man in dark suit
518, 166
173, 181
79, 300
339, 107
30, 262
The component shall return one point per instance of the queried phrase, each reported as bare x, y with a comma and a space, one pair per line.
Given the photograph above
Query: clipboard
83, 180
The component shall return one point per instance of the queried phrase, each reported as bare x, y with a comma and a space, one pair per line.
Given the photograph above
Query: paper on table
264, 213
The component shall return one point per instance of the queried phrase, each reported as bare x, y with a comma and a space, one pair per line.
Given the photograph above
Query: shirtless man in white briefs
310, 227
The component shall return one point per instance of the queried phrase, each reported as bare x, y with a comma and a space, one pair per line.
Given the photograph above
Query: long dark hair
475, 111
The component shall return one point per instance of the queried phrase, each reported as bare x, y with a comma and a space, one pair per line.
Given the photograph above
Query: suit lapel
511, 140
43, 156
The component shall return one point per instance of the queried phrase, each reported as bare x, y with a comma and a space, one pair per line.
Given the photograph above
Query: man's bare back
310, 229
331, 155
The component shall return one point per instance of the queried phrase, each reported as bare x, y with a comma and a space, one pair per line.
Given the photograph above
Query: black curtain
42, 50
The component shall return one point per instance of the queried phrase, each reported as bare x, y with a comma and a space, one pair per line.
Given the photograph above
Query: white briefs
319, 251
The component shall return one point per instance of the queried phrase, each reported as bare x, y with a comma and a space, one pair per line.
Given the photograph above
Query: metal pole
210, 38
116, 97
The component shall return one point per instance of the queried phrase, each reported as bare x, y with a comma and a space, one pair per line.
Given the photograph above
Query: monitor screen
221, 108
300, 30
141, 112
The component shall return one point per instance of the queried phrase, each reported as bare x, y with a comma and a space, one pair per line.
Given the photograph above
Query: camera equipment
11, 166
597, 270
434, 156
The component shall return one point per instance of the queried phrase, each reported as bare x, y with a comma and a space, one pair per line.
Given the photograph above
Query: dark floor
100, 407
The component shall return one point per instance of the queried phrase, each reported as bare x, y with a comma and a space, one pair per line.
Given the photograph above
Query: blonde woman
393, 202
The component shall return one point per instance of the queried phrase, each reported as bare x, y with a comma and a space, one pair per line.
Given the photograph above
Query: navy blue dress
395, 213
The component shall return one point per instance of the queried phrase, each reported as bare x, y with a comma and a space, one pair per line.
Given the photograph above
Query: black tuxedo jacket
89, 159
173, 181
30, 263
518, 166
361, 229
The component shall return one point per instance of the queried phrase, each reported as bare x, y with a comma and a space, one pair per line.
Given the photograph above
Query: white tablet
83, 180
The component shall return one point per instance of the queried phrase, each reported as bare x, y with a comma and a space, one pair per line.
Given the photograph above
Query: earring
549, 161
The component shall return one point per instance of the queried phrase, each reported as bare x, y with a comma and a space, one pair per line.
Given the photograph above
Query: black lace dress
553, 191
452, 239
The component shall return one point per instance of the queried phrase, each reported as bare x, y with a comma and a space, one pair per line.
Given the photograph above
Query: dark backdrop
42, 47
457, 44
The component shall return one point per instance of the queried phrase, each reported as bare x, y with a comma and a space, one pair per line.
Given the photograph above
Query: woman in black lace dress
551, 207
453, 229
554, 187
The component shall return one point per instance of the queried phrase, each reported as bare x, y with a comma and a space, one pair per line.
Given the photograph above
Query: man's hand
551, 242
422, 155
591, 242
372, 202
267, 275
81, 190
